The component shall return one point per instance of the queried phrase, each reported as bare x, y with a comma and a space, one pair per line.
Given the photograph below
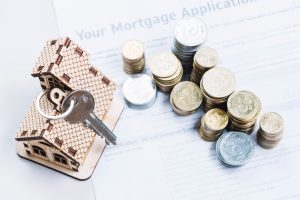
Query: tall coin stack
166, 69
270, 130
217, 85
133, 57
243, 110
204, 59
213, 124
189, 34
185, 98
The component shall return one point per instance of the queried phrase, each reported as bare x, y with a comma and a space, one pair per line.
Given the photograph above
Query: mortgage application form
159, 154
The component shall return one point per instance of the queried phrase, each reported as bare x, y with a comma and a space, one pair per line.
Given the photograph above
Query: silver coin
190, 31
139, 91
235, 148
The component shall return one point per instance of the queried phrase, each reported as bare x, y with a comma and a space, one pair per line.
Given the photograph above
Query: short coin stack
204, 59
185, 98
139, 91
133, 57
243, 110
234, 149
189, 34
270, 131
213, 124
217, 85
166, 69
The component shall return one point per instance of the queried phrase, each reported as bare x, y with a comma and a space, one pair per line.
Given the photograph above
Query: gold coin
244, 105
133, 50
206, 57
271, 123
163, 64
187, 96
219, 82
216, 119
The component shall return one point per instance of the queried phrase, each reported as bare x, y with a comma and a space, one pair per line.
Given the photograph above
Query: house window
39, 151
60, 159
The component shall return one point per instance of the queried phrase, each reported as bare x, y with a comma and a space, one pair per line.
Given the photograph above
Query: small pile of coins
234, 149
243, 110
213, 124
270, 130
190, 33
217, 85
185, 98
139, 91
166, 69
133, 57
204, 59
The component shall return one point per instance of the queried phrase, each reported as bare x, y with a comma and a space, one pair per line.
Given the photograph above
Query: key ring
62, 116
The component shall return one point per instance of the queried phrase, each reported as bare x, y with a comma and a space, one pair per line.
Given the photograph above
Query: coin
133, 57
235, 148
139, 91
204, 59
190, 33
219, 82
187, 96
270, 130
163, 64
216, 119
213, 124
166, 69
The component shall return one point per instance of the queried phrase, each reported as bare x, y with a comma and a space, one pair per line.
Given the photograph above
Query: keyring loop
62, 116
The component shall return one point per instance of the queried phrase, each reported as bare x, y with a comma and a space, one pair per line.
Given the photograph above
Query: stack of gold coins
243, 110
166, 69
185, 98
204, 59
270, 130
213, 124
216, 85
133, 57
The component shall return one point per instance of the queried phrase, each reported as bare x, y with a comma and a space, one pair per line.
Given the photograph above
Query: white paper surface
159, 154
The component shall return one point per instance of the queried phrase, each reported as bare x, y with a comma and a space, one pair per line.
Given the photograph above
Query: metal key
83, 112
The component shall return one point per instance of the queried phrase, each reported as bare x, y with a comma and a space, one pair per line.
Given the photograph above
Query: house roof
65, 65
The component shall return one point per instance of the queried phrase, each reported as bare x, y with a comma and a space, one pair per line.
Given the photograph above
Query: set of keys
78, 107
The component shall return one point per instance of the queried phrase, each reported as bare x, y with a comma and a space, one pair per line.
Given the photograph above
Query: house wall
49, 153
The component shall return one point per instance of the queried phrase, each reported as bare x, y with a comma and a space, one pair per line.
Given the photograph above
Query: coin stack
190, 34
213, 124
234, 149
139, 91
166, 69
133, 57
204, 59
243, 110
270, 131
217, 85
185, 98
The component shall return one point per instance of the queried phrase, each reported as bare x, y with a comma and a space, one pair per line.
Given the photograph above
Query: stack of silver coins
190, 34
217, 85
213, 124
244, 108
166, 69
185, 98
139, 91
234, 149
204, 59
270, 130
133, 57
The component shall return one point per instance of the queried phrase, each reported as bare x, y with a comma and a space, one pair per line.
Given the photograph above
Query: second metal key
83, 112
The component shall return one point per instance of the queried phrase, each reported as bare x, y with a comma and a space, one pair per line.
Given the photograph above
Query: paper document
159, 154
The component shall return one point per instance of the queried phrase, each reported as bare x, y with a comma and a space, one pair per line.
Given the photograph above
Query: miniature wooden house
72, 149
